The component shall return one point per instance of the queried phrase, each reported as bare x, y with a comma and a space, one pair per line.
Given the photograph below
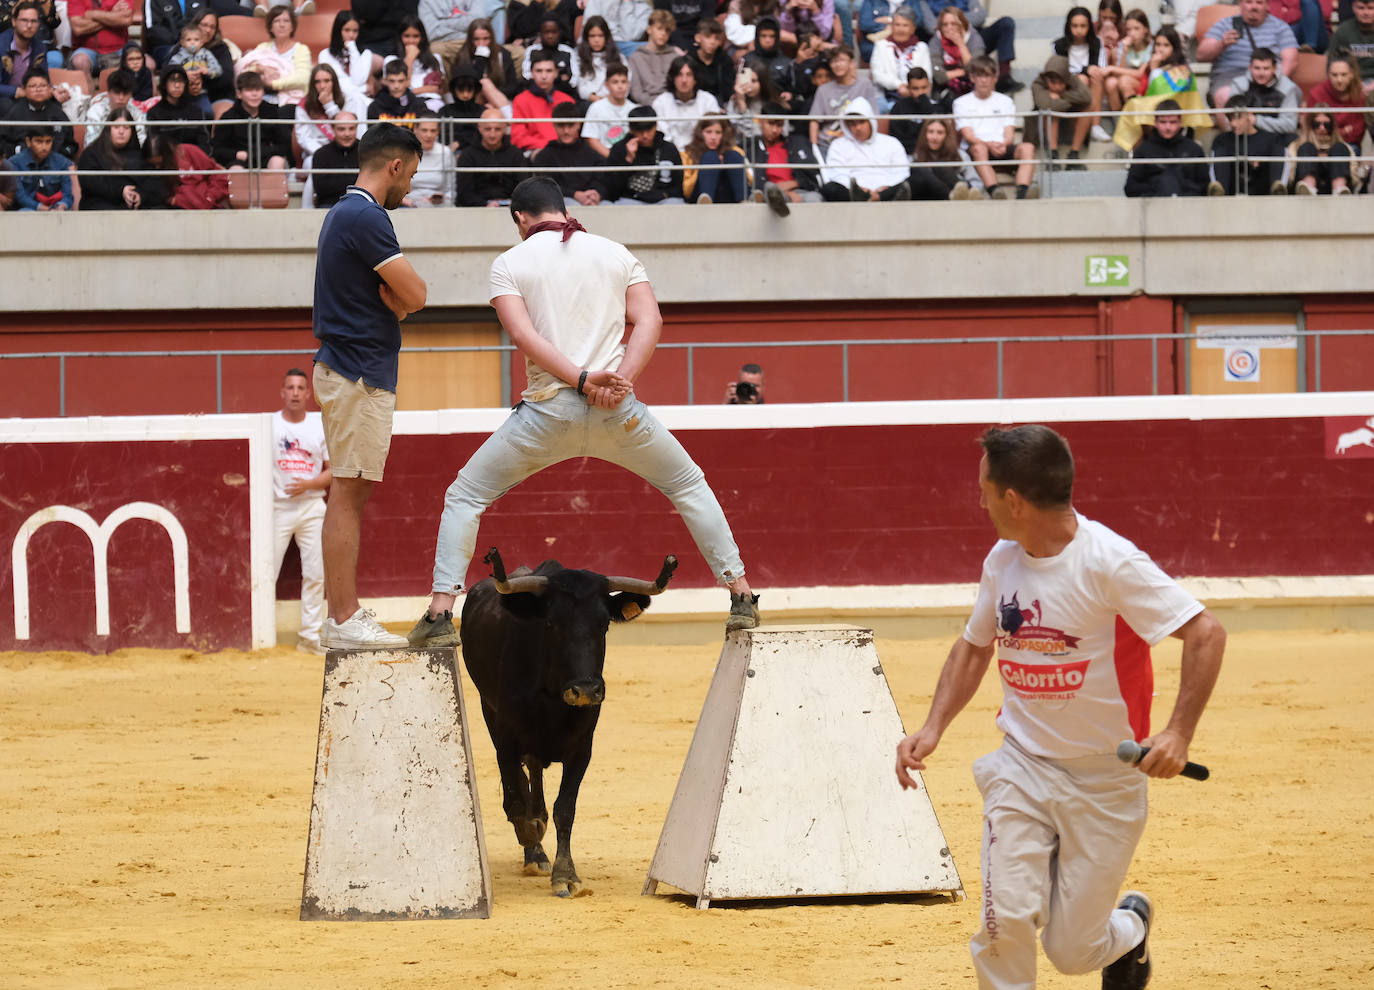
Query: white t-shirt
989, 118
298, 451
1079, 55
607, 122
575, 294
1073, 635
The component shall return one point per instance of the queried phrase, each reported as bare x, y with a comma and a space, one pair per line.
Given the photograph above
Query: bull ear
626, 606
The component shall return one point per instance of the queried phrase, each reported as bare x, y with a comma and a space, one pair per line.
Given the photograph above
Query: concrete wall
265, 259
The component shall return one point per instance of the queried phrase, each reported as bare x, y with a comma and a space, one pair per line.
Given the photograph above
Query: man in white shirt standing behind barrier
300, 477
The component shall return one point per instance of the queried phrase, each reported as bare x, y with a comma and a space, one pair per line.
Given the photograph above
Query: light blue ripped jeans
540, 434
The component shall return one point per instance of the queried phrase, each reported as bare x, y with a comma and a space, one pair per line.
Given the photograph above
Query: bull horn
638, 587
531, 583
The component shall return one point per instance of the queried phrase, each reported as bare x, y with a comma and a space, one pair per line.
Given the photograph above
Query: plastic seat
1209, 15
1310, 72
267, 191
246, 32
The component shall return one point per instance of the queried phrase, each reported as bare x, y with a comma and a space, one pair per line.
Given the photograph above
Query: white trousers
1058, 837
303, 518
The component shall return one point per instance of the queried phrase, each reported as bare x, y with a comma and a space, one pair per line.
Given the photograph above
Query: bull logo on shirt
1024, 629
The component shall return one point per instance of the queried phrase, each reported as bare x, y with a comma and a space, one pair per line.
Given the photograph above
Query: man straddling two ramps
565, 297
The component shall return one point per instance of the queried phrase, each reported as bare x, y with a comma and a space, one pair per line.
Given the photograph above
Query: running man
565, 297
1072, 609
364, 287
300, 477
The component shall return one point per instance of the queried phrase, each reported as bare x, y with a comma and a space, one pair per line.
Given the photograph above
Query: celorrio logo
1045, 679
100, 541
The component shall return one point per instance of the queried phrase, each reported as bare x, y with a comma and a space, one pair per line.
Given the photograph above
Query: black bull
535, 646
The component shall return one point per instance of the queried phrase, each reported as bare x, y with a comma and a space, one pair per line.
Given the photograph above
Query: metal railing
843, 346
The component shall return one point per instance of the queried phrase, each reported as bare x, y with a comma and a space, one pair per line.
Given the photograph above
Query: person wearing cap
661, 178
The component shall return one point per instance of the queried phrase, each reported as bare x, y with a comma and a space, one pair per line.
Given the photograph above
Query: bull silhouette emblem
1013, 616
1362, 436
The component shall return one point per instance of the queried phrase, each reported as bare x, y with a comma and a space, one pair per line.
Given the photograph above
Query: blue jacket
31, 185
39, 56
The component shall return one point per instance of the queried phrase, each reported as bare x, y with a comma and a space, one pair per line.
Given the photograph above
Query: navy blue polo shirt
359, 337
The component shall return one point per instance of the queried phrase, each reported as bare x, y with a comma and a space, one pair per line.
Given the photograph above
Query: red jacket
199, 192
533, 137
1350, 125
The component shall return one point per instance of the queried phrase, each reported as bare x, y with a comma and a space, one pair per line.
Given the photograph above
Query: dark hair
772, 109
395, 66
696, 147
467, 55
32, 5
567, 111
642, 119
751, 369
170, 73
538, 55
120, 81
39, 130
676, 66
711, 27
38, 70
1033, 460
103, 147
276, 12
1114, 6
1167, 106
313, 107
948, 151
336, 41
1263, 55
384, 142
1179, 57
586, 57
619, 69
916, 72
426, 58
1241, 101
295, 373
1079, 12
249, 79
537, 194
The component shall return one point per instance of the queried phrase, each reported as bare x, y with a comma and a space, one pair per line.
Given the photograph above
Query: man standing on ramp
565, 297
1072, 609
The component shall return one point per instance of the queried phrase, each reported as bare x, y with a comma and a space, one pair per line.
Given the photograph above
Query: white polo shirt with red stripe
1073, 635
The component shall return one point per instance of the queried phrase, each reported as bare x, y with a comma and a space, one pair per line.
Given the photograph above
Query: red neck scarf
569, 227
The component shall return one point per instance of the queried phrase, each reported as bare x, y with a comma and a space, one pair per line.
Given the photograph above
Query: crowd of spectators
692, 101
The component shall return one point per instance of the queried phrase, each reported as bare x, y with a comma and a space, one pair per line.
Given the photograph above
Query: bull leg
536, 862
565, 881
516, 793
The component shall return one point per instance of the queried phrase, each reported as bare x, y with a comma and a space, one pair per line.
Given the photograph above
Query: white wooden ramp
788, 789
395, 827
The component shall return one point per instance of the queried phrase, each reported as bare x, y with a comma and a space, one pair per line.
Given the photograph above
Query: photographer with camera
748, 391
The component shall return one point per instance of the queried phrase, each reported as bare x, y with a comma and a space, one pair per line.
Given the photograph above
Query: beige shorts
357, 424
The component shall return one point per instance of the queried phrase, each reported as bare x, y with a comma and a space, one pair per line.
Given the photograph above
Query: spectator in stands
1353, 38
1274, 97
953, 48
282, 62
220, 88
1231, 40
395, 102
104, 166
714, 69
9, 186
832, 97
1322, 159
896, 55
683, 104
20, 50
770, 61
465, 106
1131, 64
540, 97
133, 61
594, 54
686, 14
741, 23
117, 95
550, 42
1087, 60
913, 102
608, 120
747, 390
796, 16
198, 64
491, 188
570, 150
713, 143
315, 115
948, 174
177, 106
432, 184
271, 148
446, 28
1189, 178
356, 68
162, 24
810, 51
340, 153
987, 123
1169, 78
752, 90
184, 191
378, 23
37, 105
1306, 20
774, 153
1059, 90
490, 62
100, 30
998, 37
862, 164
526, 19
42, 193
1244, 142
626, 21
426, 71
649, 64
1342, 89
660, 181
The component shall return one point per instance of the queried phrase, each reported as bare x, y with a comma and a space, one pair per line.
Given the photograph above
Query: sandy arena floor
154, 808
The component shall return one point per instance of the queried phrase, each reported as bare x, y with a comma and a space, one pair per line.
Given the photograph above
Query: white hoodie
874, 164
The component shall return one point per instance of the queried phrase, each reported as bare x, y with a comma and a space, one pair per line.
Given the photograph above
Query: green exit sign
1107, 270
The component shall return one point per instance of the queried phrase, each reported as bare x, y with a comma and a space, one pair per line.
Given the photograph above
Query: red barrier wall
203, 483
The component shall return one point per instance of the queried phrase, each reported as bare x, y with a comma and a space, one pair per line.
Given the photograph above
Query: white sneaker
360, 631
1098, 134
